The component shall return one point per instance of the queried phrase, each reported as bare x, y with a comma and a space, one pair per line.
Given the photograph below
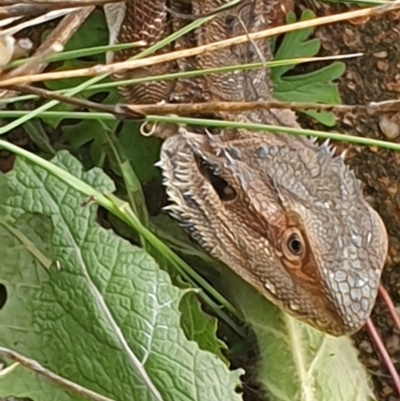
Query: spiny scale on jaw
176, 178
306, 180
330, 148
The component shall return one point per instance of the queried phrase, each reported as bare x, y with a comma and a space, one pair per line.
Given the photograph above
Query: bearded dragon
284, 213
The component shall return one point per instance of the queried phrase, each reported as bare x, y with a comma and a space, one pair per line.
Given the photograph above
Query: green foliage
91, 34
316, 86
297, 362
109, 318
142, 152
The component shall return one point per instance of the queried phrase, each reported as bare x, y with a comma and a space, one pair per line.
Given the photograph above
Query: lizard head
285, 215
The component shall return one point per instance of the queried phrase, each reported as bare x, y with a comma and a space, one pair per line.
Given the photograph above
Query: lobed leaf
316, 86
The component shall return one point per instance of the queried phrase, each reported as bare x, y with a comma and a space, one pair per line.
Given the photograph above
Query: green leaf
200, 327
83, 132
197, 325
61, 84
27, 382
141, 151
92, 33
295, 44
109, 319
94, 131
316, 86
29, 230
297, 362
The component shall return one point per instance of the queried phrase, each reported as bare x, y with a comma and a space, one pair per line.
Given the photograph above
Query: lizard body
281, 211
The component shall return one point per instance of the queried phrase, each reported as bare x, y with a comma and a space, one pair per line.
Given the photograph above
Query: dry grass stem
132, 64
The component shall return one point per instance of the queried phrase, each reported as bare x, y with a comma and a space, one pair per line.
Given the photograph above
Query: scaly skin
286, 216
282, 212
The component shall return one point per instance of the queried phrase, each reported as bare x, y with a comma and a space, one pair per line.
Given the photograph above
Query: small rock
390, 125
393, 344
382, 65
386, 390
382, 54
366, 347
373, 363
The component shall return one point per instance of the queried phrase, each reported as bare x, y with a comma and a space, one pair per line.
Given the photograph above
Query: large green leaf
109, 319
297, 362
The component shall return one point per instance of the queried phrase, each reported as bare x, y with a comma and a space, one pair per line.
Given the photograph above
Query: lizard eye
293, 245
